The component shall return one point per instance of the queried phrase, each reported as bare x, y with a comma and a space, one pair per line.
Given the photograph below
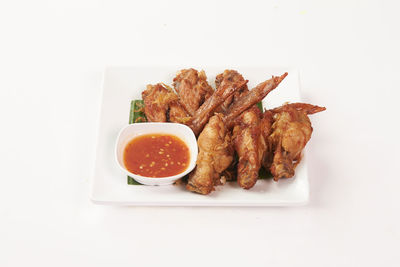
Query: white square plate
109, 184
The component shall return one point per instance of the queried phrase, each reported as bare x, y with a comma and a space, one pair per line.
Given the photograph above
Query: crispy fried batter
156, 102
201, 116
233, 77
250, 146
192, 88
291, 130
307, 108
215, 155
250, 98
177, 113
266, 130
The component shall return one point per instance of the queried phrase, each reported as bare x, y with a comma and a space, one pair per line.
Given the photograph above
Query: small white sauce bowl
134, 130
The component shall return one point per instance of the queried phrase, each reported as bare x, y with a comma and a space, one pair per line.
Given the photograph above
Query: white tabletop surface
52, 54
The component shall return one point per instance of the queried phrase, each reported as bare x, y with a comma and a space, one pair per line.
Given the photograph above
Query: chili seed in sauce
153, 155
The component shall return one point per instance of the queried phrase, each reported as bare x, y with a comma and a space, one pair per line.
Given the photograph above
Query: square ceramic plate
109, 184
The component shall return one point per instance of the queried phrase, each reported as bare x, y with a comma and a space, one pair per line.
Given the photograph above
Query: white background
51, 57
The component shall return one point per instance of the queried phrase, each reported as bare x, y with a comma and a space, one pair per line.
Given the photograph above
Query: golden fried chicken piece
231, 76
215, 155
177, 113
266, 130
248, 99
249, 145
192, 88
291, 130
156, 102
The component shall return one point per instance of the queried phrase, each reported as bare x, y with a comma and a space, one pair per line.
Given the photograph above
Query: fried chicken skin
249, 145
203, 114
177, 113
156, 102
233, 77
215, 155
290, 132
192, 88
250, 98
266, 130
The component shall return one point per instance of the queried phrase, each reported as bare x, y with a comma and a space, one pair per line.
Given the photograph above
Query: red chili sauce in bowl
156, 155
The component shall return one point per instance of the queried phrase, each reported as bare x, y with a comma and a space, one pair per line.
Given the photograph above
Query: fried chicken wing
233, 77
202, 115
290, 132
249, 145
304, 107
192, 88
215, 155
250, 98
156, 102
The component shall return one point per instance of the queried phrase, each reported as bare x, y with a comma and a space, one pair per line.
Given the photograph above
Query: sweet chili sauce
156, 155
